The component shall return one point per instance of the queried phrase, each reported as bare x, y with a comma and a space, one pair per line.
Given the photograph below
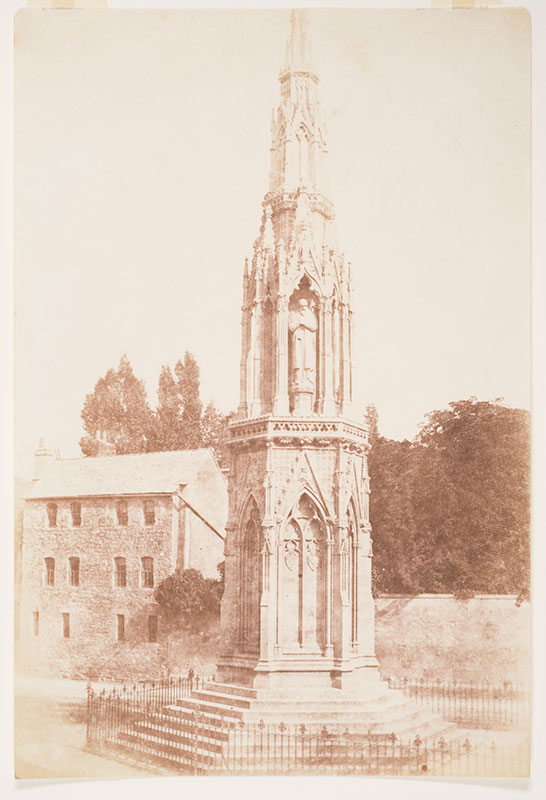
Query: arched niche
303, 577
251, 577
303, 348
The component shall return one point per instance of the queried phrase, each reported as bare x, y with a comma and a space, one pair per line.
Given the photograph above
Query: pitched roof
141, 473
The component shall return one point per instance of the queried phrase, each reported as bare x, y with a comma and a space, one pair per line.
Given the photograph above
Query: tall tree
450, 510
214, 427
118, 410
168, 412
187, 374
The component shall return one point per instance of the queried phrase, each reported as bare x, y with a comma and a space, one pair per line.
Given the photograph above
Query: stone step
204, 729
218, 698
188, 715
129, 753
337, 711
210, 708
184, 740
230, 689
180, 757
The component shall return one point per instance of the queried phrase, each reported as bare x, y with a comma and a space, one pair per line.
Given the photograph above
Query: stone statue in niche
303, 333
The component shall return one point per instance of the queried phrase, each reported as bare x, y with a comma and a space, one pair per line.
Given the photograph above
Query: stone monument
297, 612
297, 618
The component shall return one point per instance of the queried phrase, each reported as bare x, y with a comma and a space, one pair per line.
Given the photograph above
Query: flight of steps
220, 727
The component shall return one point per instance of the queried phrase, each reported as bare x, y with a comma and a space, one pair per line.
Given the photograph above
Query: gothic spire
298, 46
296, 266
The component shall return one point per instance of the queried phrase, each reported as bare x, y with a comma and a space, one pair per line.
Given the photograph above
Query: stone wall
93, 606
483, 639
207, 495
486, 638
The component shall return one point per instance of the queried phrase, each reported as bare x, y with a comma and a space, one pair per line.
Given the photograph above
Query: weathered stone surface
188, 495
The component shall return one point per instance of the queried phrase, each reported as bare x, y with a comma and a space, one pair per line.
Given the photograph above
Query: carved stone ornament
268, 541
291, 554
312, 554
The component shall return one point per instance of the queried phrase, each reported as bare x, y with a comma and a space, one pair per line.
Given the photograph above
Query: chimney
42, 456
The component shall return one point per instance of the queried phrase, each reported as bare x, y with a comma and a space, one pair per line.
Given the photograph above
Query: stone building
99, 534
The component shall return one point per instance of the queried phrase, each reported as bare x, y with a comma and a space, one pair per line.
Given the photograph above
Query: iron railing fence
142, 696
196, 743
145, 720
485, 706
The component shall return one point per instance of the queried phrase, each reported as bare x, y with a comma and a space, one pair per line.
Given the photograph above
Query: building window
147, 572
52, 514
50, 571
149, 512
121, 571
36, 623
74, 568
122, 512
76, 511
152, 628
66, 626
121, 627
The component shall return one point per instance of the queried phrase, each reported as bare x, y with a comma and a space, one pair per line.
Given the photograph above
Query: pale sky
141, 160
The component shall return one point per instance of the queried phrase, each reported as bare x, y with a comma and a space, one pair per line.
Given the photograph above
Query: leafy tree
450, 510
214, 427
118, 410
168, 412
481, 453
188, 599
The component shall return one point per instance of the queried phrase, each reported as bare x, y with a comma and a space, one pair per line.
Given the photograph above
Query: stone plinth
297, 611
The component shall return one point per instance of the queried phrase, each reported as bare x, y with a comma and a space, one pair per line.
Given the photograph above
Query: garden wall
486, 638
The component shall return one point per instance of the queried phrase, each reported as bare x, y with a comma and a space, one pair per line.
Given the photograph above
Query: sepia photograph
272, 367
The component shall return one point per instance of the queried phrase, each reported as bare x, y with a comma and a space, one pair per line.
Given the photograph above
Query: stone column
336, 352
256, 404
238, 598
281, 405
365, 610
346, 391
329, 581
229, 612
329, 403
267, 602
243, 404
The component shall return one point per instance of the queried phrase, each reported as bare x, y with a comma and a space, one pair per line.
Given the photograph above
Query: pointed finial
298, 48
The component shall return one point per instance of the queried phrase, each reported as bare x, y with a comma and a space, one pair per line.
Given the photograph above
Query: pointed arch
314, 286
303, 566
296, 490
249, 500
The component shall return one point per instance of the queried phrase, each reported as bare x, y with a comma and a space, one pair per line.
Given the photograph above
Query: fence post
88, 719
